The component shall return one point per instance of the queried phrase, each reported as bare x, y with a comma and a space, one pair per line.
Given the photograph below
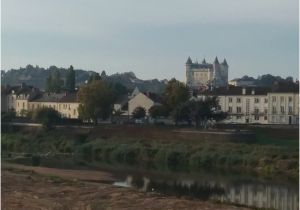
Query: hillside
36, 76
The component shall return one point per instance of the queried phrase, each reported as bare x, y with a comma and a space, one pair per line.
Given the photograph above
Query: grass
269, 154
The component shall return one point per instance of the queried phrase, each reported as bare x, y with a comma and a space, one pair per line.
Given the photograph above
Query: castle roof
189, 60
204, 61
216, 61
225, 62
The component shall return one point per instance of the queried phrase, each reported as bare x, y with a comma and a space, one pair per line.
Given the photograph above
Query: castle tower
188, 71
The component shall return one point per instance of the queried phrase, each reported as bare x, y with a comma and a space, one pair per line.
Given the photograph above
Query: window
266, 100
281, 99
282, 109
238, 109
74, 112
265, 117
274, 109
238, 117
238, 100
38, 106
23, 105
230, 109
256, 117
290, 99
265, 111
256, 100
274, 98
256, 110
230, 100
290, 109
18, 104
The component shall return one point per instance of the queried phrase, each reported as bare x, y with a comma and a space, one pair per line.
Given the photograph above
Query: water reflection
254, 194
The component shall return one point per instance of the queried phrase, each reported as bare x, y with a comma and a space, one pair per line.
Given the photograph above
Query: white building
241, 82
257, 105
283, 107
142, 100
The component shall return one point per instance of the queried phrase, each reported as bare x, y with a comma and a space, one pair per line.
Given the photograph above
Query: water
223, 186
235, 189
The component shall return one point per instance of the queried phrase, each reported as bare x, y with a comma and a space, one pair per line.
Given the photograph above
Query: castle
206, 75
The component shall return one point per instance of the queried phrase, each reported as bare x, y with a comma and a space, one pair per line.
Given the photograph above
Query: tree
204, 110
54, 83
175, 93
158, 111
119, 89
103, 74
93, 77
96, 100
181, 113
47, 116
70, 80
139, 112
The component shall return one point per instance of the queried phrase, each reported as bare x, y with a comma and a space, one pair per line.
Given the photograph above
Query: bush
35, 160
47, 116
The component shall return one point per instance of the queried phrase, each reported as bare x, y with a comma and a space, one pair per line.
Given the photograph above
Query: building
65, 103
242, 83
23, 99
283, 107
145, 100
257, 105
16, 98
206, 74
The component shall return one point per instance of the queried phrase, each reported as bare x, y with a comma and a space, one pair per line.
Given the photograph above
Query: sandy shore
25, 187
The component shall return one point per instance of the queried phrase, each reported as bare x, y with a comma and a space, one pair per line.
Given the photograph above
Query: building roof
69, 98
235, 90
189, 60
225, 62
216, 61
57, 97
20, 89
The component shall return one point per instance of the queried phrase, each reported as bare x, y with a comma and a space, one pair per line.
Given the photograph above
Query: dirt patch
26, 188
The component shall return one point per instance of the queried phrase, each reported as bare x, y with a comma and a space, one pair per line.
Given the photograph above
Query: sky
152, 38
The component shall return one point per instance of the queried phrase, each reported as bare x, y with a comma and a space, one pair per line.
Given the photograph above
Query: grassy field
269, 152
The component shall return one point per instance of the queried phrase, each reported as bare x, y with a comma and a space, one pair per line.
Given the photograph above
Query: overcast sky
152, 38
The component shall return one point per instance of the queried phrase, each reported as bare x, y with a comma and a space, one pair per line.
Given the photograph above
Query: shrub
47, 116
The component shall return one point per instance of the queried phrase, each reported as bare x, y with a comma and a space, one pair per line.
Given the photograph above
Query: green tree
203, 110
175, 93
181, 112
119, 89
139, 112
70, 80
47, 116
158, 111
96, 100
54, 83
93, 77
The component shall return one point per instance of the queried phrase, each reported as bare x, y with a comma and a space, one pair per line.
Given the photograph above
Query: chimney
244, 91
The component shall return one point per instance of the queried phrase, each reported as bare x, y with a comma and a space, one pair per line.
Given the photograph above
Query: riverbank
267, 152
33, 188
